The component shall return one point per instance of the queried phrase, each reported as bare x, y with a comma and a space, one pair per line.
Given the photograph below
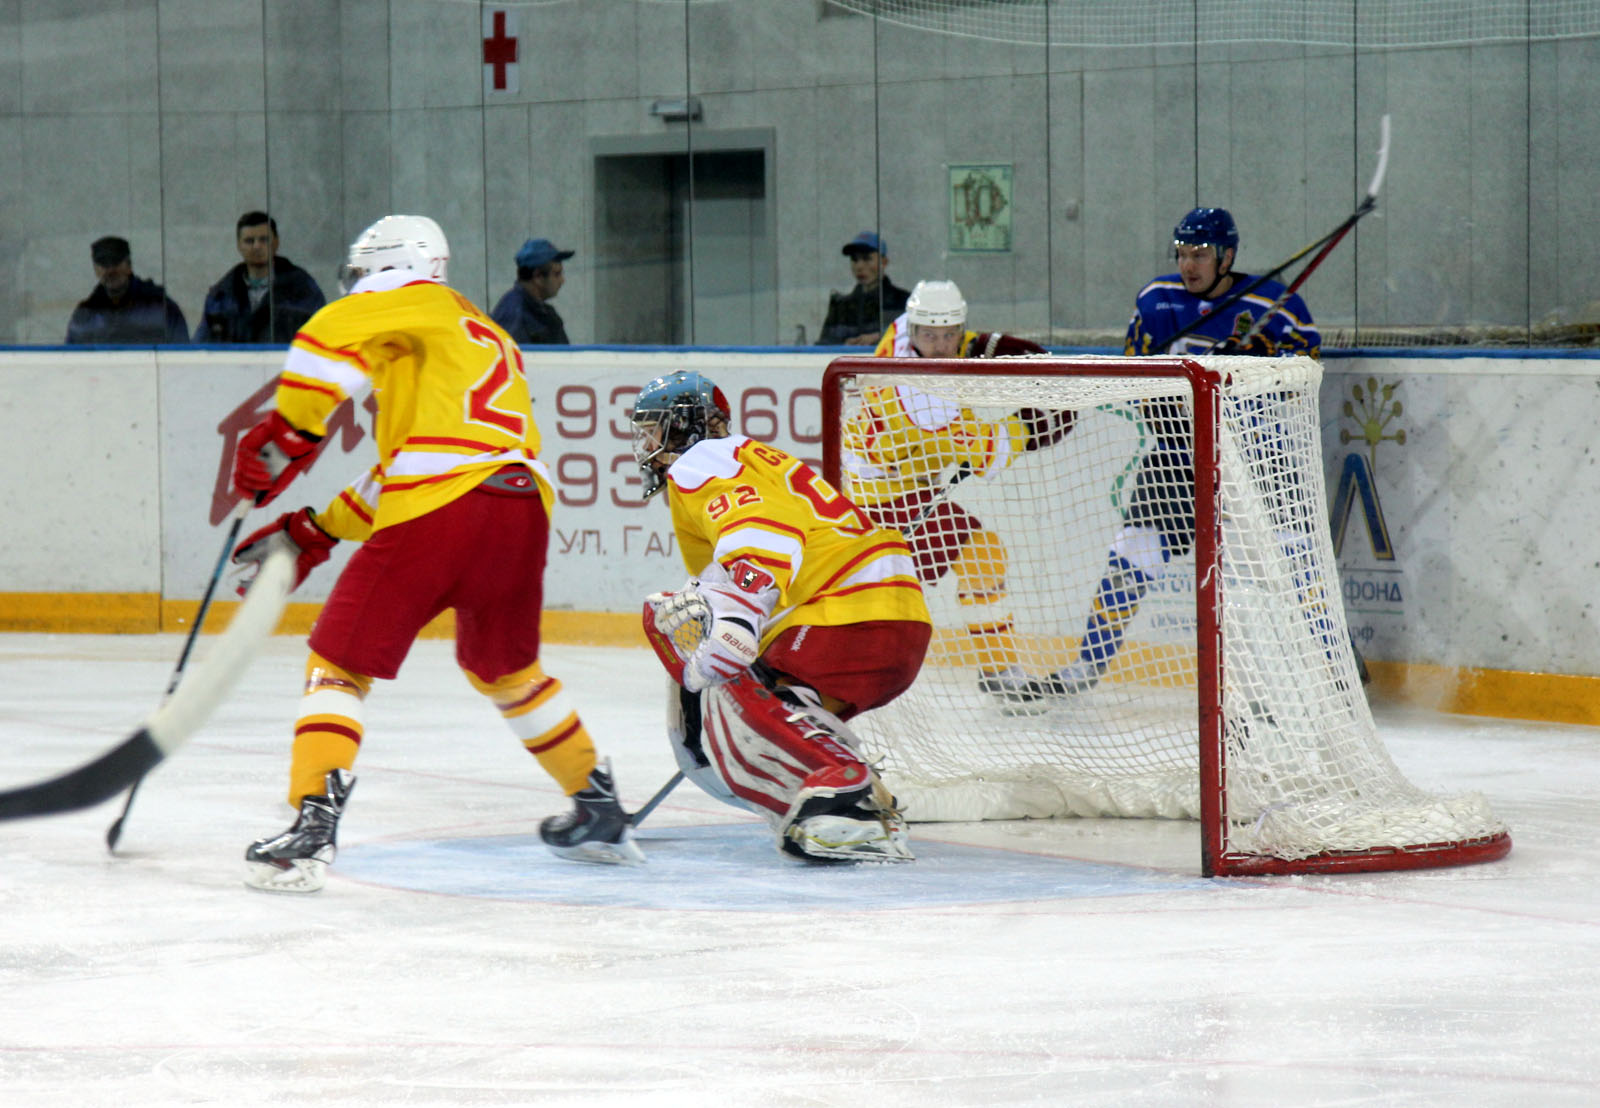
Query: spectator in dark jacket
264, 298
858, 317
524, 311
124, 308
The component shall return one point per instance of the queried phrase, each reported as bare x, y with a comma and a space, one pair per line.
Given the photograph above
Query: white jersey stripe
303, 362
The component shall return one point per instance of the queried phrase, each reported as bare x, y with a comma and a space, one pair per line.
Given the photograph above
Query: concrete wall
162, 120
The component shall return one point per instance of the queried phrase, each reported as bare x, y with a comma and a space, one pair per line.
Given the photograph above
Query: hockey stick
172, 724
655, 801
114, 832
920, 520
1326, 243
1367, 205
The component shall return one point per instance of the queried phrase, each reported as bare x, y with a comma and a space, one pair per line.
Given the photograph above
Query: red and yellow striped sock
541, 715
327, 736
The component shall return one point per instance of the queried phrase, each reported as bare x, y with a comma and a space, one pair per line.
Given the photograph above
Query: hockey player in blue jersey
1205, 243
1186, 312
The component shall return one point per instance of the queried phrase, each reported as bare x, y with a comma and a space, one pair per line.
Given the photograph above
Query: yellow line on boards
1505, 694
148, 614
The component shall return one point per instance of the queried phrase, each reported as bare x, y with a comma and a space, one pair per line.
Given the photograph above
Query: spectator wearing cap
266, 297
124, 308
525, 311
858, 317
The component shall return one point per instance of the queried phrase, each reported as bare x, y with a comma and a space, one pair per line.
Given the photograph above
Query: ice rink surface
452, 961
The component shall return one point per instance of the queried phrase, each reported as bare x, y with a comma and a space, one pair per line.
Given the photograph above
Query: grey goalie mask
670, 415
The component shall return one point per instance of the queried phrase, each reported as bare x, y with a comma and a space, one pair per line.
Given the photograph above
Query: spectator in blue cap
858, 317
525, 311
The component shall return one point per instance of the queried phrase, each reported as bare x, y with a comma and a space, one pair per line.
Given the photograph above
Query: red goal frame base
1428, 856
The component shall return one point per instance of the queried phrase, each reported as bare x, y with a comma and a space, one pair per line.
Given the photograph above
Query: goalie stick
1326, 243
114, 832
655, 801
170, 725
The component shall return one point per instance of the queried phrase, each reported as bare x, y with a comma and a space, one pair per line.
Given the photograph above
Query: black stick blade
87, 785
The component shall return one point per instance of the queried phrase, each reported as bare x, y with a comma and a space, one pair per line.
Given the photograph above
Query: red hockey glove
271, 454
298, 531
1045, 428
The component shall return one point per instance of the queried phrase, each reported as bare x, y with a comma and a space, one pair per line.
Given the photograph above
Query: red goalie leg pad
766, 750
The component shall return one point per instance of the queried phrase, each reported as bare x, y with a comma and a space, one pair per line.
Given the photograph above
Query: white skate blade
623, 853
833, 838
303, 875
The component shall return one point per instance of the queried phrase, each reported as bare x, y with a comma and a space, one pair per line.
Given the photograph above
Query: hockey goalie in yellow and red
799, 613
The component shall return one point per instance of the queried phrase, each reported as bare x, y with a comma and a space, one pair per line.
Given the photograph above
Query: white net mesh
1022, 586
1367, 25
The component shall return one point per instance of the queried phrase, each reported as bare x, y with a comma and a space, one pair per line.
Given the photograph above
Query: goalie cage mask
670, 415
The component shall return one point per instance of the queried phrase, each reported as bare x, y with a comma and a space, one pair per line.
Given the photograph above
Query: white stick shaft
1383, 157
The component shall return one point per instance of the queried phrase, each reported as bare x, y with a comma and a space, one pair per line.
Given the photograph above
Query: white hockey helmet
412, 242
936, 304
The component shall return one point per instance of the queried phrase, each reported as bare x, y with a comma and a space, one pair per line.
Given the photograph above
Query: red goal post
1229, 695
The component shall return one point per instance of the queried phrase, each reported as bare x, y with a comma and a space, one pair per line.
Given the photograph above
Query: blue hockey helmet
1207, 227
670, 415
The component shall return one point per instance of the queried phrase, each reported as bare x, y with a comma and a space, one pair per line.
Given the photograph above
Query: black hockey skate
597, 829
297, 860
1009, 683
1072, 679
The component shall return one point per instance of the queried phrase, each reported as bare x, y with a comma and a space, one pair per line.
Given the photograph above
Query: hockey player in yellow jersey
454, 516
801, 613
905, 450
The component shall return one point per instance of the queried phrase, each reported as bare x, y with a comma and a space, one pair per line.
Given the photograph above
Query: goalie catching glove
709, 631
296, 532
270, 456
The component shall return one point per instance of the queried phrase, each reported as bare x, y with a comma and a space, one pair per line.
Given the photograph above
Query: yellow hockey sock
327, 736
539, 713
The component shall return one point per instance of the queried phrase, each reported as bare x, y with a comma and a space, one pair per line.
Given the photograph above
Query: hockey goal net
1230, 694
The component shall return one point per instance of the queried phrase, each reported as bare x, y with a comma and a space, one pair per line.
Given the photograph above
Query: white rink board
1488, 483
1491, 505
120, 462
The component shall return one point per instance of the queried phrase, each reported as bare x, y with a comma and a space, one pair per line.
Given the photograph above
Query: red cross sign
499, 50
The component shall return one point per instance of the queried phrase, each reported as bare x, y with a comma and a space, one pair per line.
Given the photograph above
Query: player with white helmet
904, 450
455, 516
800, 615
410, 242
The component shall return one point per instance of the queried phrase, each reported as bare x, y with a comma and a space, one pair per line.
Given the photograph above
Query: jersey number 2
488, 388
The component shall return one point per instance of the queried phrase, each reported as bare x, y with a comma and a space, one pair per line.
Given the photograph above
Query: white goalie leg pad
687, 739
797, 764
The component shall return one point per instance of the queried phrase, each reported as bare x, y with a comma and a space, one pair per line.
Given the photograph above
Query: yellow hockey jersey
734, 498
453, 402
901, 440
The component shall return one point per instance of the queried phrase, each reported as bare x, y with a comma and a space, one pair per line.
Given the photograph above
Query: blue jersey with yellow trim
1165, 307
